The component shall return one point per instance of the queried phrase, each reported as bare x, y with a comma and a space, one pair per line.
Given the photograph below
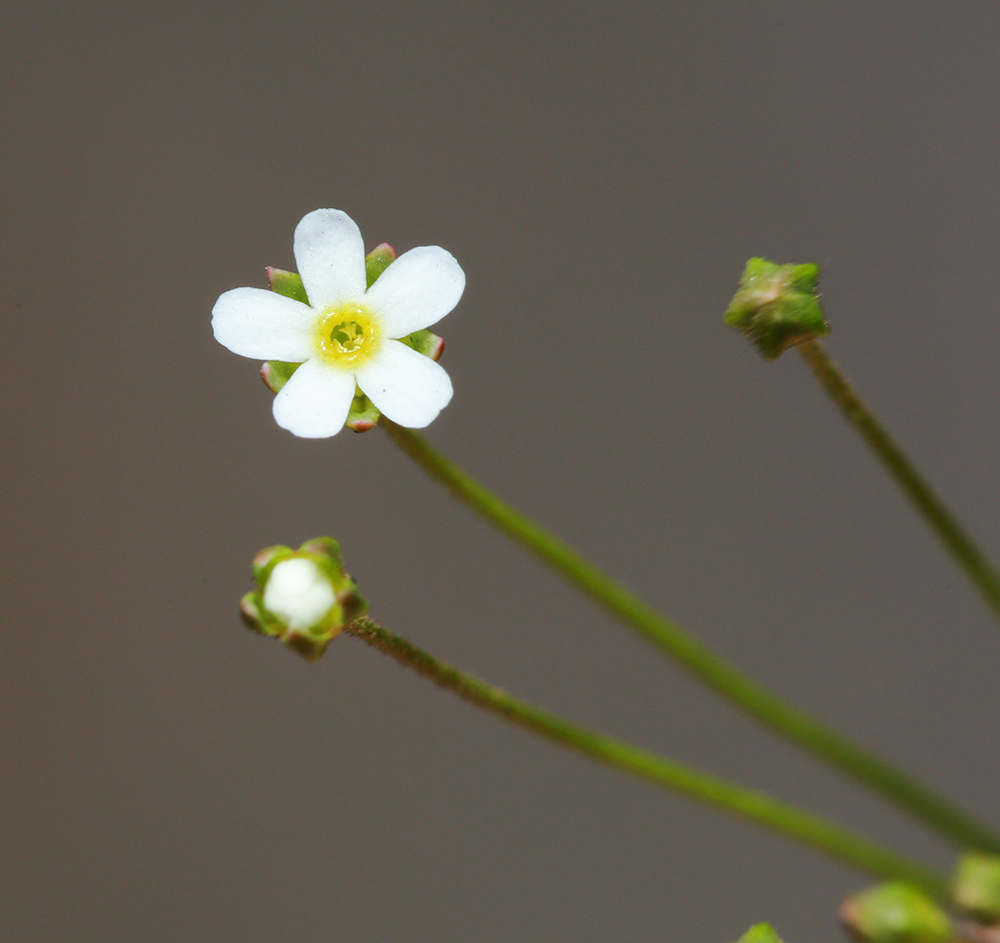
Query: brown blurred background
602, 173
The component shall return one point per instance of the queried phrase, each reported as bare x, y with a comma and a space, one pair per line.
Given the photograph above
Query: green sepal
325, 547
255, 616
760, 933
377, 261
276, 373
777, 306
288, 284
352, 603
348, 606
265, 559
425, 342
976, 886
363, 414
895, 913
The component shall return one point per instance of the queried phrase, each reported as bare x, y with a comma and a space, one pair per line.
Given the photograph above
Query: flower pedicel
348, 336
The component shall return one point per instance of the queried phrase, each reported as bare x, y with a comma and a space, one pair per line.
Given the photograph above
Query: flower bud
303, 596
777, 306
976, 886
895, 913
760, 933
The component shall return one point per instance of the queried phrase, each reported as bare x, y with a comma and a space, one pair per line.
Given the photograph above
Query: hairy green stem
788, 820
949, 531
768, 709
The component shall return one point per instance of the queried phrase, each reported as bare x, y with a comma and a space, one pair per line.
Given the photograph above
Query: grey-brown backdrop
602, 172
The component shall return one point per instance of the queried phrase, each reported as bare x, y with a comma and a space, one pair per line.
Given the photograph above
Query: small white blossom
299, 593
347, 337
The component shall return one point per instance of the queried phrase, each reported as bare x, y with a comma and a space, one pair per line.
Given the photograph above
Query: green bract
276, 373
777, 306
332, 590
895, 913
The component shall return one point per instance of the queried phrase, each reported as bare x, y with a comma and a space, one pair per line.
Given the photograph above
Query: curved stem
759, 808
949, 531
771, 711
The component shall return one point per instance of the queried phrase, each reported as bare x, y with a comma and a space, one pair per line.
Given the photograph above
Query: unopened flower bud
303, 596
895, 913
777, 306
760, 933
976, 886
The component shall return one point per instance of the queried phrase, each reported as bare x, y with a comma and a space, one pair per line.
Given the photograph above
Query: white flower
347, 335
299, 593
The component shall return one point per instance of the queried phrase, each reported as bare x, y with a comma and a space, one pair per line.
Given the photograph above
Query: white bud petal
299, 593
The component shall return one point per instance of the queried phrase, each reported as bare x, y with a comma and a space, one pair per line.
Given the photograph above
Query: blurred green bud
760, 933
303, 596
276, 373
976, 886
895, 913
777, 306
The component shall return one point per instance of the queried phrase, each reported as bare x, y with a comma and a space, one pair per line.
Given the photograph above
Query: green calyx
346, 606
760, 933
895, 913
276, 373
976, 887
777, 306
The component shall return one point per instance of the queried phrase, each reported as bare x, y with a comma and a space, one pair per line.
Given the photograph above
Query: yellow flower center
347, 335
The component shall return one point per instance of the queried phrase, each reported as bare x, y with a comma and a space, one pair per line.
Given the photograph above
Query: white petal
330, 255
315, 402
408, 387
416, 290
254, 322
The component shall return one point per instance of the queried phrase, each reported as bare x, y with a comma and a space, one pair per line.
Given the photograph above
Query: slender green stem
768, 709
949, 531
759, 808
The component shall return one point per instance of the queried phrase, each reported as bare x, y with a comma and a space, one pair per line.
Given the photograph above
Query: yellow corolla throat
346, 336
